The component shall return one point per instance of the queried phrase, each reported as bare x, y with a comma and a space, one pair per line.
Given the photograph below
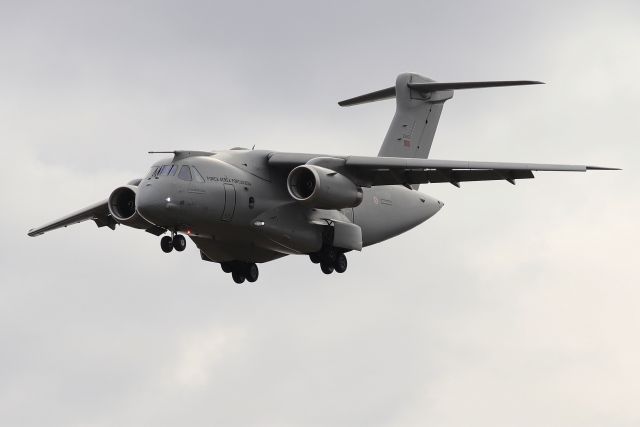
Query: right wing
370, 171
407, 171
98, 212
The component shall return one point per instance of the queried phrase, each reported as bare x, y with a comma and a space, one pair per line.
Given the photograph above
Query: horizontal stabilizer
434, 86
390, 92
378, 95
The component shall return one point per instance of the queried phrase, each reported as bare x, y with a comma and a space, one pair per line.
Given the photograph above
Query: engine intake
122, 205
323, 188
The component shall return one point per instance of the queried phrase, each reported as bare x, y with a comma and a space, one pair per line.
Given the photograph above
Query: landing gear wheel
179, 242
252, 273
166, 243
327, 268
340, 263
315, 258
226, 267
331, 256
238, 276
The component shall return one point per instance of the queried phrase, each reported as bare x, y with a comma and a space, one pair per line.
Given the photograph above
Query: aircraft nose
151, 205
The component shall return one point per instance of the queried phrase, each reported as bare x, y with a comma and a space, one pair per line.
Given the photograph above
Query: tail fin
419, 102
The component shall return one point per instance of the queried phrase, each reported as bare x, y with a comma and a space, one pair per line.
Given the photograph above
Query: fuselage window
173, 170
164, 170
185, 173
196, 175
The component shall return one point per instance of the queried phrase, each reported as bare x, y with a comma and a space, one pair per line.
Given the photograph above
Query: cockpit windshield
168, 170
152, 172
187, 173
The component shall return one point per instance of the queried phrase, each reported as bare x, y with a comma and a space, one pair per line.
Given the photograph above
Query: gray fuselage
241, 210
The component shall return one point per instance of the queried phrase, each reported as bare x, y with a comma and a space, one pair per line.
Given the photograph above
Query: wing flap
409, 171
409, 177
409, 163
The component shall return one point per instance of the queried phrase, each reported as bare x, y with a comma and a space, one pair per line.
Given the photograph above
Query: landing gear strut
241, 271
175, 241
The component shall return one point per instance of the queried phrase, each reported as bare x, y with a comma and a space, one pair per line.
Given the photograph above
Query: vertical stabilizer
419, 102
416, 119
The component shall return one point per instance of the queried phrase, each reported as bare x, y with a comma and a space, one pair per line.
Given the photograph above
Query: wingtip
531, 82
602, 168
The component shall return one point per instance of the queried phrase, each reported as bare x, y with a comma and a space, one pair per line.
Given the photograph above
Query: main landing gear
241, 271
169, 243
330, 260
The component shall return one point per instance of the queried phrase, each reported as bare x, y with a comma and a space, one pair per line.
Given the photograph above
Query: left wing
98, 212
370, 171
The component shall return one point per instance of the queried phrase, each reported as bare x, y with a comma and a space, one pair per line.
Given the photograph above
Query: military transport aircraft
242, 206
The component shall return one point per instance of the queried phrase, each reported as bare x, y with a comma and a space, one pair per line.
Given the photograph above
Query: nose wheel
177, 242
166, 243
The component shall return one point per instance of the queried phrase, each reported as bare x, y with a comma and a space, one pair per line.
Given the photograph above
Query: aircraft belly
224, 251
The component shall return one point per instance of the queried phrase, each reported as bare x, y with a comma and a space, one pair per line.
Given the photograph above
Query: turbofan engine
323, 188
122, 205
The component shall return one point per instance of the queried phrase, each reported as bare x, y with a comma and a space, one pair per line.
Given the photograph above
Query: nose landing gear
176, 241
179, 242
166, 243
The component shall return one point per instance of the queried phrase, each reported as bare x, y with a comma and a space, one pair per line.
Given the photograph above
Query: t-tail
419, 102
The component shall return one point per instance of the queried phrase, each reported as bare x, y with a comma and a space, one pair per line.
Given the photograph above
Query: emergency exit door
229, 202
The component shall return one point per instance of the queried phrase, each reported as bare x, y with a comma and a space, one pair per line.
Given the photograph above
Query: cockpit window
185, 173
152, 172
168, 170
196, 175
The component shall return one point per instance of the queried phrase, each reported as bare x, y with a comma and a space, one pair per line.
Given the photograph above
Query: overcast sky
512, 306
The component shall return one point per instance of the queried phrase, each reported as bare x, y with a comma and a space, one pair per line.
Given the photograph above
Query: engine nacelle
323, 188
122, 205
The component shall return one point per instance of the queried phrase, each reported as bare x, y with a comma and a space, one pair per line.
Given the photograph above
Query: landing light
168, 199
258, 223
